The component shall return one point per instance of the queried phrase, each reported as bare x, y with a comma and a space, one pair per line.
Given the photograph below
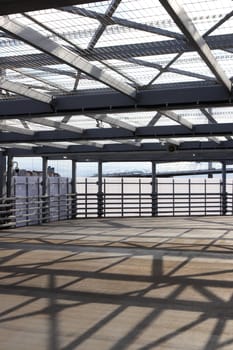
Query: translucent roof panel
205, 14
125, 49
100, 7
147, 12
123, 35
72, 26
225, 28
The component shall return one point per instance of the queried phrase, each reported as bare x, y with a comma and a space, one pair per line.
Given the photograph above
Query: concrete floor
161, 283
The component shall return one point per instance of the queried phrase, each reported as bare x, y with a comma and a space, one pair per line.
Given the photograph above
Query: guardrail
34, 210
134, 197
23, 211
162, 204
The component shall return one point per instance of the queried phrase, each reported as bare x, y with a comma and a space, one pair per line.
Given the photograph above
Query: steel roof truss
24, 90
55, 124
49, 46
183, 21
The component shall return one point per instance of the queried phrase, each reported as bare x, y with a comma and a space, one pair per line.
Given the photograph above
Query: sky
86, 169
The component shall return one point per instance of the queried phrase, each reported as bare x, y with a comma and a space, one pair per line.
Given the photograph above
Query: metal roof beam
130, 142
15, 6
169, 69
121, 21
211, 119
62, 54
177, 118
101, 134
55, 124
15, 129
154, 120
183, 21
108, 14
214, 139
44, 81
74, 47
160, 97
89, 143
16, 145
113, 121
208, 115
215, 42
156, 147
52, 144
218, 24
24, 90
202, 155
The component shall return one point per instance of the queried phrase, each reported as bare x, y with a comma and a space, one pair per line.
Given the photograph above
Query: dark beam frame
15, 6
162, 97
188, 151
215, 42
147, 132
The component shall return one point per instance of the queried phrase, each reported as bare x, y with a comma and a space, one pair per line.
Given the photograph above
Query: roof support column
3, 202
73, 191
9, 176
2, 175
45, 199
224, 189
100, 195
154, 190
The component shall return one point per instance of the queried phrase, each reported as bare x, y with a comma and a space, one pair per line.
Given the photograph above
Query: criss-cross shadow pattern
118, 284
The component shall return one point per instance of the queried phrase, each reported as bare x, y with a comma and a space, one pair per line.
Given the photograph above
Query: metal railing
133, 204
134, 198
23, 211
32, 210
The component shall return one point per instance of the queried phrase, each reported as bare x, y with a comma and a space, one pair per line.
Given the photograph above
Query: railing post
122, 196
2, 187
100, 190
139, 197
105, 199
224, 189
173, 197
9, 176
73, 191
154, 190
2, 175
86, 198
9, 194
27, 201
205, 197
189, 195
44, 184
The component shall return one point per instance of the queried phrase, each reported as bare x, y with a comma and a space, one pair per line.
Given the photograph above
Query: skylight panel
100, 6
205, 14
166, 78
72, 26
225, 28
121, 36
191, 61
222, 115
225, 59
147, 12
163, 121
84, 122
15, 48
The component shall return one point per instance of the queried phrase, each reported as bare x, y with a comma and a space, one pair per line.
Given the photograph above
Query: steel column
45, 208
154, 190
2, 175
73, 191
100, 194
2, 187
224, 189
9, 176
